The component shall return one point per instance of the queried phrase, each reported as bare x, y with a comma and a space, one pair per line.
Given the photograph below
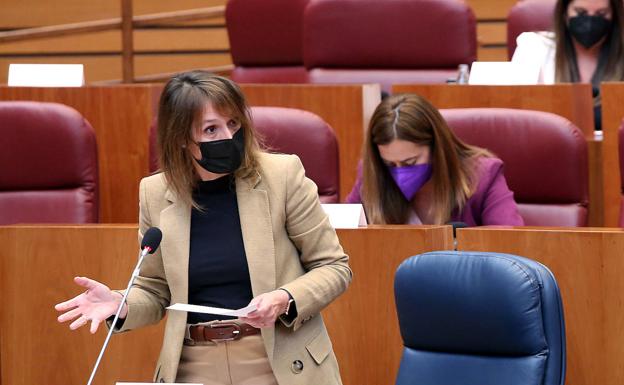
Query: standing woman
586, 45
416, 171
239, 226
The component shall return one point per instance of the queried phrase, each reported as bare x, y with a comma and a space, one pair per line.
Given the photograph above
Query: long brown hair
412, 118
180, 110
611, 59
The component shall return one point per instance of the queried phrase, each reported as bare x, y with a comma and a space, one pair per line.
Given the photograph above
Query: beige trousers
240, 362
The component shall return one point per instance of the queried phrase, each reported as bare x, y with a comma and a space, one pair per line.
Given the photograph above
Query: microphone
149, 244
151, 240
456, 225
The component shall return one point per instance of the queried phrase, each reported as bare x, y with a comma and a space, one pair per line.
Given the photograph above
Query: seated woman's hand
96, 304
269, 306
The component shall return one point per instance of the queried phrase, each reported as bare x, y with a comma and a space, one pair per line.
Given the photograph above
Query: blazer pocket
319, 347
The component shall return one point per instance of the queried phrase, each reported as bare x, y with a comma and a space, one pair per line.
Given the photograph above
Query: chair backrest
49, 171
292, 131
389, 41
266, 40
528, 16
545, 158
479, 318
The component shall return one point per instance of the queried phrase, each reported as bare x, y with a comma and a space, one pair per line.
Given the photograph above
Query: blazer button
296, 366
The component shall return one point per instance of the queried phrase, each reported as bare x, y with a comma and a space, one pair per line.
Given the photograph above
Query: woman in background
585, 46
416, 171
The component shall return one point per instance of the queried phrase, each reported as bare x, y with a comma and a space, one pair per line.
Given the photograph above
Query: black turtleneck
218, 272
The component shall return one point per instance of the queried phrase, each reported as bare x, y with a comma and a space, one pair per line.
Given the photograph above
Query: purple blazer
492, 203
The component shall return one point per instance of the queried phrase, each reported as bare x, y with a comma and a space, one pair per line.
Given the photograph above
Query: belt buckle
222, 325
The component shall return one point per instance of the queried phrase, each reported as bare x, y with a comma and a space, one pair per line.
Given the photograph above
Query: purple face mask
411, 178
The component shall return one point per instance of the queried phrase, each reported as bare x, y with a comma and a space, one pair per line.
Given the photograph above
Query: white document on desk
243, 312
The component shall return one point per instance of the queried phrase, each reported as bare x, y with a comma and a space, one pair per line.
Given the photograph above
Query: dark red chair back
293, 131
266, 40
528, 16
545, 159
389, 41
49, 171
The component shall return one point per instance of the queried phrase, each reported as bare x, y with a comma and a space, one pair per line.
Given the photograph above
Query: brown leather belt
221, 331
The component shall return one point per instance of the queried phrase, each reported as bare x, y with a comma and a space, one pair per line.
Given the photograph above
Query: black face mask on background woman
588, 30
223, 156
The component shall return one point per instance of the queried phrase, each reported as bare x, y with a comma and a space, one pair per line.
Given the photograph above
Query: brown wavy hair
181, 107
611, 59
412, 118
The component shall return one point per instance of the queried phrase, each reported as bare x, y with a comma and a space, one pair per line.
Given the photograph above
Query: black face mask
223, 156
588, 30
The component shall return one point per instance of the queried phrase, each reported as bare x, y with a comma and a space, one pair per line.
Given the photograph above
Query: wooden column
127, 45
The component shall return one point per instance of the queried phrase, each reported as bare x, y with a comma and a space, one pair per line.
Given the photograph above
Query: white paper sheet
212, 310
345, 215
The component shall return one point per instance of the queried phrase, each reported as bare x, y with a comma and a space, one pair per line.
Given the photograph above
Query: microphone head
457, 225
151, 239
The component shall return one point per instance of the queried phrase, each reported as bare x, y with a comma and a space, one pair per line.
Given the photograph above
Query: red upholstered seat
49, 171
293, 131
545, 159
389, 41
528, 16
266, 40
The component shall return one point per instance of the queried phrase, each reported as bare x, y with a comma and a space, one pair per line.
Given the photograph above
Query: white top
537, 49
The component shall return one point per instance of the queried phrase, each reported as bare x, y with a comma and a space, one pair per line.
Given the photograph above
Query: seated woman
416, 171
586, 46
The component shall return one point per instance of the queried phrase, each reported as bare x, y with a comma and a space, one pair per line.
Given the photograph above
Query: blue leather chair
472, 318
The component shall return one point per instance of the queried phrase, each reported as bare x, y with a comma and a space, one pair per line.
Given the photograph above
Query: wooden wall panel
346, 108
34, 13
121, 117
152, 40
588, 266
36, 349
612, 117
491, 9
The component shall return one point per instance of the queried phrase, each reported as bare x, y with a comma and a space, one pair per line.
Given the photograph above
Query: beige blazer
289, 244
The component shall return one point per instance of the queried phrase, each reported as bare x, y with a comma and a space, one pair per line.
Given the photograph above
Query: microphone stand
135, 274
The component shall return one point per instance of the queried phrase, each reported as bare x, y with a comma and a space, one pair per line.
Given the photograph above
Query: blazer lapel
256, 226
175, 223
257, 230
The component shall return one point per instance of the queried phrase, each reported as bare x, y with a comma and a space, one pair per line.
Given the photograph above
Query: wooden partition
347, 108
121, 117
572, 101
588, 265
362, 323
612, 116
38, 264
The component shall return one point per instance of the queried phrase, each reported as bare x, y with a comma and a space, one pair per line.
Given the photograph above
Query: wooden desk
588, 266
347, 108
612, 95
38, 264
572, 101
121, 117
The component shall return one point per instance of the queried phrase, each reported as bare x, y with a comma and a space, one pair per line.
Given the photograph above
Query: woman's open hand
96, 304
